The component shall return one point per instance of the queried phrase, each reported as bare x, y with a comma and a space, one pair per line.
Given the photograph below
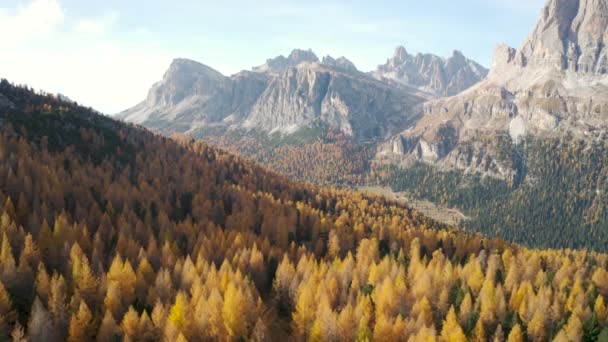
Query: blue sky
107, 54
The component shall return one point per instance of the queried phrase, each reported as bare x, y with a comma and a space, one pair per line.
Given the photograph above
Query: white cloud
40, 17
86, 59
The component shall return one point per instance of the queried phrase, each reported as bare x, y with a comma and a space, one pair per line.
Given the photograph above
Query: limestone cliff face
341, 62
430, 73
555, 84
285, 94
280, 63
189, 92
353, 102
570, 35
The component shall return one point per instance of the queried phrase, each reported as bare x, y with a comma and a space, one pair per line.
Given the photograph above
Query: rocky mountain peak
430, 73
457, 55
299, 56
280, 63
400, 54
178, 62
182, 67
186, 83
341, 62
570, 36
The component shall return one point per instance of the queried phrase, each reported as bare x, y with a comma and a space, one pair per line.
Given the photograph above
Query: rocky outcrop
438, 76
570, 35
341, 62
280, 64
543, 88
192, 93
285, 94
352, 102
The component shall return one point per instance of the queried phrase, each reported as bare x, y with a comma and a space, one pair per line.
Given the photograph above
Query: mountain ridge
437, 75
283, 95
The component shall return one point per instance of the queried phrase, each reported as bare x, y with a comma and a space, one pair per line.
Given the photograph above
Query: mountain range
289, 93
438, 76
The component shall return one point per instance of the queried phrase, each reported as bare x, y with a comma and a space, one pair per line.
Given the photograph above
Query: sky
107, 53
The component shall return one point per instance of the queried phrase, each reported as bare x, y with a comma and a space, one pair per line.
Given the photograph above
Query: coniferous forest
110, 232
558, 200
522, 210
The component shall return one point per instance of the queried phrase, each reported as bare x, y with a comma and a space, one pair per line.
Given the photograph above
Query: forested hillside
559, 199
321, 156
110, 232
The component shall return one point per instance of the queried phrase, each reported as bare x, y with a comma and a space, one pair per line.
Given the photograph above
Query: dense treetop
557, 199
108, 231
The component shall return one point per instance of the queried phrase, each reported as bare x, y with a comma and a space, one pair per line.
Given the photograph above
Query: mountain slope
165, 240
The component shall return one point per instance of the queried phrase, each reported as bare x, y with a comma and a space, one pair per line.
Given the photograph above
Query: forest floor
450, 216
